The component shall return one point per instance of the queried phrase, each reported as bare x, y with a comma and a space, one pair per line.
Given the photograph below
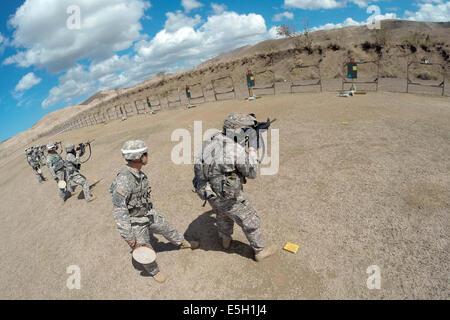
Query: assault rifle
261, 126
82, 148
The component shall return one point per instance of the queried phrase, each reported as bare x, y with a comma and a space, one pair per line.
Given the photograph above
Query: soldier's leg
81, 180
159, 225
245, 215
61, 193
141, 232
39, 176
224, 224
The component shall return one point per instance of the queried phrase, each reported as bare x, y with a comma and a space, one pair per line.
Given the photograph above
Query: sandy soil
362, 181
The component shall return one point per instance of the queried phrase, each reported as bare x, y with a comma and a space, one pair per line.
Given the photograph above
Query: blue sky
49, 62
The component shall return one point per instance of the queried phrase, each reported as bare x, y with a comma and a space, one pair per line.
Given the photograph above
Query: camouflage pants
157, 225
244, 214
39, 175
80, 180
61, 176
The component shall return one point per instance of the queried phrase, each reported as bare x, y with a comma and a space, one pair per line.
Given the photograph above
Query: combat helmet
70, 147
50, 146
133, 149
236, 121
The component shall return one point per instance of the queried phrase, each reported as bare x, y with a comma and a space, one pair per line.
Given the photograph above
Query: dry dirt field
362, 181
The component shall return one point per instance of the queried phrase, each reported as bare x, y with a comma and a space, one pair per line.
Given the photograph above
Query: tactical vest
138, 202
56, 162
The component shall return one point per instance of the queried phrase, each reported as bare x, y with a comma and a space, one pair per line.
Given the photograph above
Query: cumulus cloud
178, 20
41, 28
189, 5
349, 22
28, 81
313, 4
172, 49
218, 8
431, 10
283, 15
325, 4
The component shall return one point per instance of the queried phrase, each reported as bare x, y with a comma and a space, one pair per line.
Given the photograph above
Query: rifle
82, 148
261, 126
59, 143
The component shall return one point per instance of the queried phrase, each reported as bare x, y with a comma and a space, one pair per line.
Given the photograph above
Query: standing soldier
35, 164
55, 165
133, 210
221, 170
73, 166
250, 83
149, 105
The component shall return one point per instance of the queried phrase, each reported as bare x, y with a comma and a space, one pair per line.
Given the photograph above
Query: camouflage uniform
229, 164
72, 165
134, 213
55, 165
35, 164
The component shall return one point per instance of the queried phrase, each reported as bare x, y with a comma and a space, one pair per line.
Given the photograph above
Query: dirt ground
362, 181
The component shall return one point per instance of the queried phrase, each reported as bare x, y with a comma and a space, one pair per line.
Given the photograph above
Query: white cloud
431, 10
349, 22
28, 81
313, 4
189, 5
178, 20
283, 15
273, 33
325, 4
218, 8
362, 3
170, 50
107, 26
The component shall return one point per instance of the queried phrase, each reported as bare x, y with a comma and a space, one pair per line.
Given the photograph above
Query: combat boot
264, 253
159, 277
189, 244
226, 243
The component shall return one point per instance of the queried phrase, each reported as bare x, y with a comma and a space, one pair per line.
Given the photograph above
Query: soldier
55, 165
225, 165
73, 165
35, 164
133, 210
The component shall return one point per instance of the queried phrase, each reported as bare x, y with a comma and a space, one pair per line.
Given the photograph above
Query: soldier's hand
132, 243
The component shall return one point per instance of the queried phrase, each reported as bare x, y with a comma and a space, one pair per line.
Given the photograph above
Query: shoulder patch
121, 191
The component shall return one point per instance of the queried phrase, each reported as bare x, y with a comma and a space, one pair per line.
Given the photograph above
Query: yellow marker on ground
291, 247
344, 123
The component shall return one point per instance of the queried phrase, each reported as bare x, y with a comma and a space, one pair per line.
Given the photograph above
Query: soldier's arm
120, 209
71, 158
247, 163
50, 169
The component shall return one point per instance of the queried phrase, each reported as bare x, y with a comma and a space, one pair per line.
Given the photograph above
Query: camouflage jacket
227, 164
131, 200
54, 163
32, 161
72, 164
